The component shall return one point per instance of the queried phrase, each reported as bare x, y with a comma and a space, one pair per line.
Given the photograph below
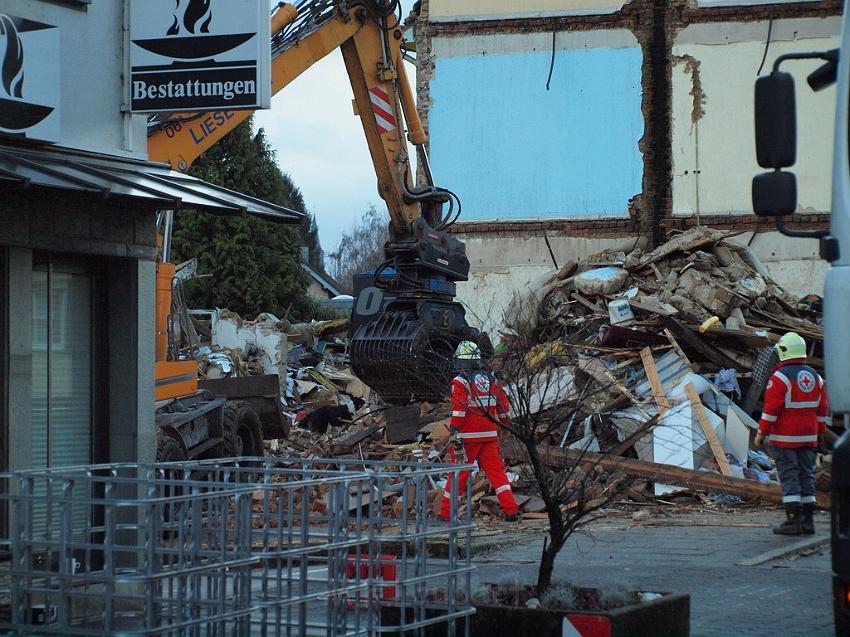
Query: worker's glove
757, 443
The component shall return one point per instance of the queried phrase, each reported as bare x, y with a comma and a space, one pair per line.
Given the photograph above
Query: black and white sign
200, 55
29, 79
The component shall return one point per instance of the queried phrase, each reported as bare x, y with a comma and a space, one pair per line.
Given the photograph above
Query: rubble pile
646, 370
658, 362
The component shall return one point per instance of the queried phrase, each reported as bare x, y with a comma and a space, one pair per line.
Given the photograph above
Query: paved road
787, 596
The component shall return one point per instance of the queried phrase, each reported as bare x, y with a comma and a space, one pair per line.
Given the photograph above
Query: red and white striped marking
382, 109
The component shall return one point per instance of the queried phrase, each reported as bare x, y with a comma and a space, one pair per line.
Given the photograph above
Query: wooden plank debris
653, 308
358, 437
630, 441
707, 481
705, 349
708, 430
676, 347
594, 307
658, 391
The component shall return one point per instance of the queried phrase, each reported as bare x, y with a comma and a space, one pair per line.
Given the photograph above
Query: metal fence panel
248, 546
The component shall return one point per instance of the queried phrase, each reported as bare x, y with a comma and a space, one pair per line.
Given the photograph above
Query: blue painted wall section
512, 150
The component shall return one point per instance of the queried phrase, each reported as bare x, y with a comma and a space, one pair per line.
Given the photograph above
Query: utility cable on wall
552, 62
766, 46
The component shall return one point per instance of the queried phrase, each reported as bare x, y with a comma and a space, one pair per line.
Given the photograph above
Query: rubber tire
243, 433
168, 448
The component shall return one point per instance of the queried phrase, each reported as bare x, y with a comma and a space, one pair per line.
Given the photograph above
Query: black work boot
791, 525
807, 524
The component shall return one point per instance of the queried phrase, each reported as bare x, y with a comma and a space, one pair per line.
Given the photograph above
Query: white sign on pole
29, 79
199, 55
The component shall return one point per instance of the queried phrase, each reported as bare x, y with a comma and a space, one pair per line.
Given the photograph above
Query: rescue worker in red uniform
479, 402
796, 411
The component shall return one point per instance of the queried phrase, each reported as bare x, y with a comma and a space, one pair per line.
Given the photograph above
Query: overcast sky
320, 143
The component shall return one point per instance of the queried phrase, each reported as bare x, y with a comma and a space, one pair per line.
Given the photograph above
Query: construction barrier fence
236, 547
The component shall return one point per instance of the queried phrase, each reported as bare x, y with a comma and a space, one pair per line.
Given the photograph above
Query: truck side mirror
776, 121
775, 194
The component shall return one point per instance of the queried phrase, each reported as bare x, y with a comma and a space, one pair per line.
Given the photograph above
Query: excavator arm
406, 325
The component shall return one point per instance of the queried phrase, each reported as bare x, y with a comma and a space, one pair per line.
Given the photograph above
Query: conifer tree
254, 265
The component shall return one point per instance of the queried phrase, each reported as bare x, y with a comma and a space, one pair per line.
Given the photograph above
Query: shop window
62, 362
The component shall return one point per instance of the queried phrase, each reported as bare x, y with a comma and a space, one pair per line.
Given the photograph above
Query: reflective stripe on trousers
476, 435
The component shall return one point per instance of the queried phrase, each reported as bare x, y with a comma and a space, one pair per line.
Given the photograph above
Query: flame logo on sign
16, 114
13, 58
189, 36
196, 11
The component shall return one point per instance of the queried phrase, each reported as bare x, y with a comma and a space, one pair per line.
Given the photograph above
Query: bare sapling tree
552, 401
361, 248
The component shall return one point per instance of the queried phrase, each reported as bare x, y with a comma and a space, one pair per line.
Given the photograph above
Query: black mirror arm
828, 56
804, 234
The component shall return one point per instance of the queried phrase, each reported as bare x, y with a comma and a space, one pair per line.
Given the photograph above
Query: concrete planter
667, 616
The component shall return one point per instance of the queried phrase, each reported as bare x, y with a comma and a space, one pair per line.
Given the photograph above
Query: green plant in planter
511, 592
560, 596
484, 595
565, 596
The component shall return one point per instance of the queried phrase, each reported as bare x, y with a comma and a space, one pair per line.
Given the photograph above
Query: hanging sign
200, 55
29, 79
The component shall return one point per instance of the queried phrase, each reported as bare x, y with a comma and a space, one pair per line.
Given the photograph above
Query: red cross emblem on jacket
796, 408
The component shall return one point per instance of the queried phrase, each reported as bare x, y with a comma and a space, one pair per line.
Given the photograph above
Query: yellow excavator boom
406, 324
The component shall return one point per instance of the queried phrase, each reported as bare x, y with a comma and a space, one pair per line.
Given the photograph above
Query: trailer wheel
243, 434
168, 448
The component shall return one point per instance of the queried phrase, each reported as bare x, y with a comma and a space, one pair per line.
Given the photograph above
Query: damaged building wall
713, 129
571, 153
489, 289
482, 78
712, 120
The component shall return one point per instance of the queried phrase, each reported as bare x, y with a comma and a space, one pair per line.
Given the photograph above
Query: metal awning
108, 176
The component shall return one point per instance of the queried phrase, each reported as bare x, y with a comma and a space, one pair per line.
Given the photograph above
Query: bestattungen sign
199, 55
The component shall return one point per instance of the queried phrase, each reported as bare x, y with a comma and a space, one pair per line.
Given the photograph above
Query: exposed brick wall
630, 227
622, 19
569, 228
424, 73
760, 13
655, 24
749, 223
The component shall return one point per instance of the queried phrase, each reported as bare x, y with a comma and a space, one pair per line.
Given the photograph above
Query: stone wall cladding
655, 24
74, 224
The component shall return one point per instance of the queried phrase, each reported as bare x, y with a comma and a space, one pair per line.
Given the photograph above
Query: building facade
580, 125
78, 238
77, 267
